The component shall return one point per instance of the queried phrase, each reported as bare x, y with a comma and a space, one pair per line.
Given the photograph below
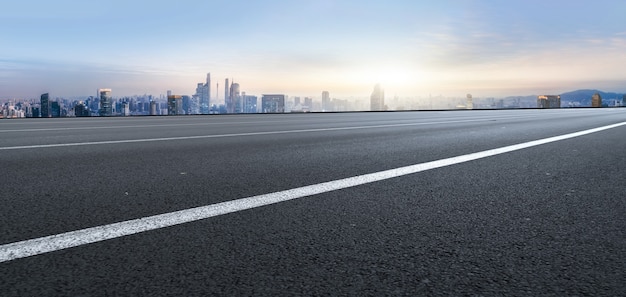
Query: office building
106, 102
55, 109
153, 108
308, 104
45, 106
81, 110
596, 100
273, 103
469, 102
249, 104
187, 104
174, 105
377, 99
549, 101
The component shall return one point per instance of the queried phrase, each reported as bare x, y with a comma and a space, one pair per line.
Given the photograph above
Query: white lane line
133, 126
198, 124
231, 135
66, 240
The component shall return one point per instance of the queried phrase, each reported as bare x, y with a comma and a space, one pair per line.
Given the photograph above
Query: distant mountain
577, 98
584, 96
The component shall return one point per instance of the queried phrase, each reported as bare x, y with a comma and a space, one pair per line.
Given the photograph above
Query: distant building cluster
237, 101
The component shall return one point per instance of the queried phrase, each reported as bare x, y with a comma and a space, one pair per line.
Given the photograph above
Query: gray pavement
546, 220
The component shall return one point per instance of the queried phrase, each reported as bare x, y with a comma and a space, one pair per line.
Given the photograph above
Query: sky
301, 48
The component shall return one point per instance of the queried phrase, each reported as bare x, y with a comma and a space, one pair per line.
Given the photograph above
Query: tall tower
325, 101
377, 100
45, 106
596, 100
208, 89
106, 102
226, 90
234, 105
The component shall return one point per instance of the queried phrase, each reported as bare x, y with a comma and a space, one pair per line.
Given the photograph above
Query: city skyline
487, 48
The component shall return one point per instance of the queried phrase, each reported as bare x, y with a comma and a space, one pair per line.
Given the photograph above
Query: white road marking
232, 135
198, 124
61, 241
134, 126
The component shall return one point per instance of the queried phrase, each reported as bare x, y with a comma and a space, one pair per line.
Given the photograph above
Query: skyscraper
596, 100
106, 102
226, 90
325, 101
208, 90
377, 100
187, 105
55, 109
203, 93
45, 106
234, 104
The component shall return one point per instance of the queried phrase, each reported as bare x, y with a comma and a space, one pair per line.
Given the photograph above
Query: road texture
546, 220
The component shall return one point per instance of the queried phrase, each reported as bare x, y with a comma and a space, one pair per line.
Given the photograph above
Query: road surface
506, 202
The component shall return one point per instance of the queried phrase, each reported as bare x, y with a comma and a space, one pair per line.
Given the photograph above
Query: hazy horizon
450, 48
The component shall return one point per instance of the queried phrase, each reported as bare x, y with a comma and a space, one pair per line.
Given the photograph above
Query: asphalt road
539, 221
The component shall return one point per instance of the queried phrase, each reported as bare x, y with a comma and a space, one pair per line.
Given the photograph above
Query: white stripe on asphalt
61, 241
135, 126
233, 135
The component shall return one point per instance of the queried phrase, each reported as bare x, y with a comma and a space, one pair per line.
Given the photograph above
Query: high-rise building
153, 108
207, 100
549, 101
55, 109
234, 104
45, 106
470, 102
187, 104
226, 90
624, 100
596, 100
273, 103
377, 100
203, 95
326, 101
106, 102
81, 110
175, 105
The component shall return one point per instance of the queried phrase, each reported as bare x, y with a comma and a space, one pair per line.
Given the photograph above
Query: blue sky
414, 48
